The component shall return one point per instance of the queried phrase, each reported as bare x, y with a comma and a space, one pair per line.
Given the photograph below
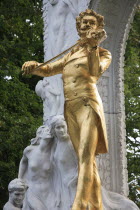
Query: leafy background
132, 108
21, 39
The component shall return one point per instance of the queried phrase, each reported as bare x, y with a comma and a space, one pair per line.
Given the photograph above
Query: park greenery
132, 108
21, 39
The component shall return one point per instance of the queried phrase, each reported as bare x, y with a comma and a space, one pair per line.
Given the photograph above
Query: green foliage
132, 107
21, 39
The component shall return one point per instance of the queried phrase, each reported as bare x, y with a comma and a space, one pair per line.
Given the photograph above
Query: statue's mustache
85, 27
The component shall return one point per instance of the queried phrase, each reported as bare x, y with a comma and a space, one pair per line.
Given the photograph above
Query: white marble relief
51, 93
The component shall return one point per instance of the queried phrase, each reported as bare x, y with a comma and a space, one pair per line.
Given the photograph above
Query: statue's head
88, 20
45, 82
36, 140
53, 2
17, 189
46, 134
59, 127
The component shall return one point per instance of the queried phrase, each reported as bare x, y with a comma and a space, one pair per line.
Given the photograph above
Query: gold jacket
80, 71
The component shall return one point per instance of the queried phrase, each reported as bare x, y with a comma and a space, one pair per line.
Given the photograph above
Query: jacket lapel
80, 53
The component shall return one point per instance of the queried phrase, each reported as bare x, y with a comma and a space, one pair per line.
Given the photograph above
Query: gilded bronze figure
81, 68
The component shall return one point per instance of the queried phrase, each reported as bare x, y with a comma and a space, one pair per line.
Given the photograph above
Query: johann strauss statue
81, 68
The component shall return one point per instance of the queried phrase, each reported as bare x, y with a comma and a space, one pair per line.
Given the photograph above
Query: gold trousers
83, 123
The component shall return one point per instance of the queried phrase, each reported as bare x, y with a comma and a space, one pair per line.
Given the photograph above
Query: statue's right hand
29, 66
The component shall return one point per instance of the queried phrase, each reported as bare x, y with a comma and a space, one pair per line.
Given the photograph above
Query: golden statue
81, 68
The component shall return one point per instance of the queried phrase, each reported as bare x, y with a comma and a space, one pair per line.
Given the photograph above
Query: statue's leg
73, 128
87, 148
95, 201
87, 122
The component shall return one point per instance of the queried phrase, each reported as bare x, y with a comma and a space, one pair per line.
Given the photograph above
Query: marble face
16, 197
46, 134
60, 129
87, 23
38, 137
45, 82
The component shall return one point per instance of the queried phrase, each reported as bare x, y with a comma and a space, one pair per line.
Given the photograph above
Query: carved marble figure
36, 163
65, 164
81, 68
61, 12
36, 140
17, 189
51, 98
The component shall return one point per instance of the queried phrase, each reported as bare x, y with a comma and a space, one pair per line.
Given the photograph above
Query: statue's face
61, 130
52, 2
46, 133
17, 197
87, 23
45, 82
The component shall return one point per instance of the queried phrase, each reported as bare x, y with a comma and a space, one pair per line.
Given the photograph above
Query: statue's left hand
95, 37
29, 66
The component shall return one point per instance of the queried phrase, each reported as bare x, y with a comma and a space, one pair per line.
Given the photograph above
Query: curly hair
89, 12
17, 184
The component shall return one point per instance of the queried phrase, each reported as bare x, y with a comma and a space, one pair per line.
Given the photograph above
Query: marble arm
23, 167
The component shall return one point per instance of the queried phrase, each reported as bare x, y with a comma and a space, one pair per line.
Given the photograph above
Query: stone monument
49, 165
118, 17
81, 68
